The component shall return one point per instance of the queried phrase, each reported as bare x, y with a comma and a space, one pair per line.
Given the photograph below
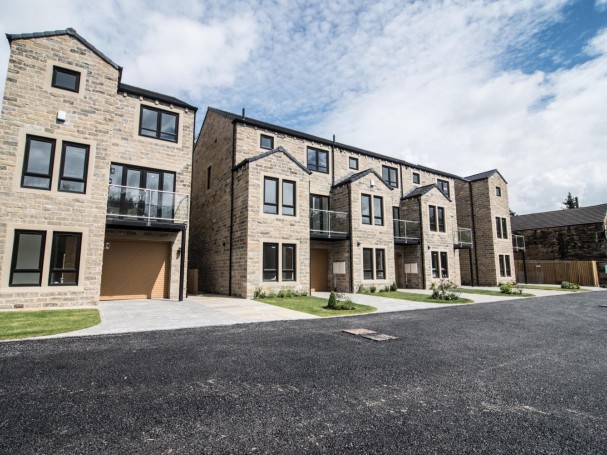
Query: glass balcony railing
406, 231
149, 205
463, 238
329, 224
518, 242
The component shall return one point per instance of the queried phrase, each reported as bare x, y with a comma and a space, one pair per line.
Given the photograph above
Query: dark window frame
26, 157
352, 159
432, 217
444, 265
282, 266
263, 265
416, 178
277, 195
435, 264
158, 131
501, 227
368, 274
18, 233
444, 187
508, 265
366, 219
294, 206
209, 175
315, 167
498, 191
389, 172
57, 69
380, 259
261, 139
76, 269
64, 146
504, 228
381, 210
440, 219
502, 265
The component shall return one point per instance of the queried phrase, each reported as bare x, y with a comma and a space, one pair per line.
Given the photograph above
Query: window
389, 175
319, 213
505, 269
498, 191
416, 179
38, 163
65, 259
66, 79
380, 264
366, 208
368, 263
378, 210
266, 142
395, 213
28, 254
508, 269
444, 186
74, 167
501, 228
440, 264
437, 218
288, 262
209, 178
270, 262
288, 198
270, 195
353, 163
158, 124
318, 160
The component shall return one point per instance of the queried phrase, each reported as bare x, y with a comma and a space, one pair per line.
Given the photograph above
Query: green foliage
394, 287
511, 287
372, 288
571, 202
259, 294
332, 300
339, 302
569, 285
281, 294
362, 289
445, 290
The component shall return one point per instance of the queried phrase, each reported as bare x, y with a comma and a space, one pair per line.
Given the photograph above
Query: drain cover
370, 334
359, 331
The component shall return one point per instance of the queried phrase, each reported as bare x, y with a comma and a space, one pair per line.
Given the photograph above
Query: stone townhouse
95, 179
273, 208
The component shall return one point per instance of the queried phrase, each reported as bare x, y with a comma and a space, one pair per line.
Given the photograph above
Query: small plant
394, 287
387, 288
332, 301
338, 304
271, 295
372, 288
362, 289
259, 294
445, 290
569, 285
281, 294
511, 288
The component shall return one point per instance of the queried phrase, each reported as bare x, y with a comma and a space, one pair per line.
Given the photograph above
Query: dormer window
158, 124
66, 79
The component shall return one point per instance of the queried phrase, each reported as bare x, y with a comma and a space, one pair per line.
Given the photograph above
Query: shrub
259, 294
569, 285
372, 288
387, 288
511, 288
271, 295
445, 290
337, 304
394, 287
332, 301
362, 289
282, 294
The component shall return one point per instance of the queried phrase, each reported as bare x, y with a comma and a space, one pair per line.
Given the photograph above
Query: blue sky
518, 85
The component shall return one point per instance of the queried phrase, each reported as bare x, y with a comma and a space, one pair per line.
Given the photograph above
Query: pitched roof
154, 95
420, 191
67, 31
484, 175
268, 153
559, 218
358, 175
327, 142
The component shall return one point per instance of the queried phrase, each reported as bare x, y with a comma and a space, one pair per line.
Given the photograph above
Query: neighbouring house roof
327, 142
279, 149
484, 175
560, 218
420, 191
121, 87
358, 175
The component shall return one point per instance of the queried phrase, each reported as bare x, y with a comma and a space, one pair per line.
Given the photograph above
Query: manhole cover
359, 331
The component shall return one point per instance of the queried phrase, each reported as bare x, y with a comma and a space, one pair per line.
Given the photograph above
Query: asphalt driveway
524, 376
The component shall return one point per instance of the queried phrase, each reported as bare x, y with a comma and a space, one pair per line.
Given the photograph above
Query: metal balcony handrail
328, 222
405, 229
145, 207
463, 236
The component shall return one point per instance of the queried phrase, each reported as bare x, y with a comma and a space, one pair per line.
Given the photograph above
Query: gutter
232, 205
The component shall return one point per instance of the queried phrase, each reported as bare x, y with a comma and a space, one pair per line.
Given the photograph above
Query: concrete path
123, 316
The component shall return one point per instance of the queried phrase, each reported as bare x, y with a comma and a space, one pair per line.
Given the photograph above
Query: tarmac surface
517, 376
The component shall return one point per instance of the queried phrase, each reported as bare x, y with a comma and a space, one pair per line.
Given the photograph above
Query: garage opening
135, 270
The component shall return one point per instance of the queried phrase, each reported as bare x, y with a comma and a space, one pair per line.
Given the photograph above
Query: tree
571, 202
512, 213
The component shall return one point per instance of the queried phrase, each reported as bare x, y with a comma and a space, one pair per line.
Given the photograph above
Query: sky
460, 86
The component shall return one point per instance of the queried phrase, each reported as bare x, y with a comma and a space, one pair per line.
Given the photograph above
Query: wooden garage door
319, 272
135, 270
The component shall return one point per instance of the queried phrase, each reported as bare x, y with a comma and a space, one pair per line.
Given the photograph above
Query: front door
319, 270
398, 262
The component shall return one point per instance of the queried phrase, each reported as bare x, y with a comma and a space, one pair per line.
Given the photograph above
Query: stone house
94, 179
274, 208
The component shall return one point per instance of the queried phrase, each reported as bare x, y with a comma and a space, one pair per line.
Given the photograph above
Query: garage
135, 270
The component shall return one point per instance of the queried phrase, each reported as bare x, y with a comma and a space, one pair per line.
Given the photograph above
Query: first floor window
288, 262
505, 269
270, 262
65, 259
441, 219
444, 265
368, 263
158, 124
28, 255
501, 228
504, 229
366, 208
270, 195
74, 167
288, 198
437, 218
378, 210
380, 264
38, 163
435, 265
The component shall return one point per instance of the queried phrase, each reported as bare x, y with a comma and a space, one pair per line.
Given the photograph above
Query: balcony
406, 232
518, 242
462, 238
327, 224
136, 206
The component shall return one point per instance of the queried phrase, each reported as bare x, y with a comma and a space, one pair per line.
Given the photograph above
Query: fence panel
553, 272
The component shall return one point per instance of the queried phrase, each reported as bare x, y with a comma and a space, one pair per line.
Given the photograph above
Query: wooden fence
553, 272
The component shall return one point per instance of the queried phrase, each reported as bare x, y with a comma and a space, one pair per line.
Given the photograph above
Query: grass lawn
419, 297
314, 305
552, 288
23, 324
496, 293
